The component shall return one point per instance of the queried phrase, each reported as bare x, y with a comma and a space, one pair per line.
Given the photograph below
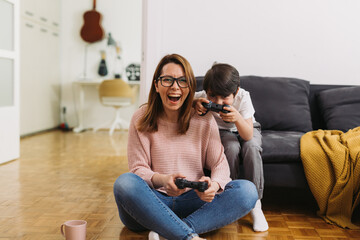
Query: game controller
214, 107
182, 183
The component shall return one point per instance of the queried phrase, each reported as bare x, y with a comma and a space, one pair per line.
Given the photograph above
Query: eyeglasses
168, 81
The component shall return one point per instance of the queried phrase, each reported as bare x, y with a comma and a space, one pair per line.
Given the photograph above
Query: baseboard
38, 132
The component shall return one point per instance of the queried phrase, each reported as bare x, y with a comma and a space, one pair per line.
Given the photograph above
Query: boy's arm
245, 128
195, 100
244, 112
197, 96
197, 105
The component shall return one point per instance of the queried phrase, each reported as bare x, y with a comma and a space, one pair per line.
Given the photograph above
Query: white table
81, 84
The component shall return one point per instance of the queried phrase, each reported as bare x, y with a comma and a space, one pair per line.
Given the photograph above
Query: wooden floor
63, 175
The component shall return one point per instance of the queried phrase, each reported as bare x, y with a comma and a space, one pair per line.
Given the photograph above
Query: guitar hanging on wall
92, 31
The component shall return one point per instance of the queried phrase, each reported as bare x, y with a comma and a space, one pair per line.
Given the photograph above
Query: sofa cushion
281, 146
340, 108
280, 103
199, 83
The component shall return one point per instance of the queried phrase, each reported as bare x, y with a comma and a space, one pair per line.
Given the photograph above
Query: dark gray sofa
287, 108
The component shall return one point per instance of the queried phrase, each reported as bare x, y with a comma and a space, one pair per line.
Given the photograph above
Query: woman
168, 140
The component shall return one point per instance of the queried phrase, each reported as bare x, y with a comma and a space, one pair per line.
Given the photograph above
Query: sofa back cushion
340, 108
280, 103
199, 83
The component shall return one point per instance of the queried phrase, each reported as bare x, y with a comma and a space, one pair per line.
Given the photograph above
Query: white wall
318, 41
39, 65
123, 20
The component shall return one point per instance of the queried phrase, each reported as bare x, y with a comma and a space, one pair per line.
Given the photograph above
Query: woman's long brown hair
155, 108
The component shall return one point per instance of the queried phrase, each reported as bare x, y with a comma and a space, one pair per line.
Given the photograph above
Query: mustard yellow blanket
332, 168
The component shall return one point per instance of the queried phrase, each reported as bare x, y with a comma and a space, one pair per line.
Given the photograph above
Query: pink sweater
167, 152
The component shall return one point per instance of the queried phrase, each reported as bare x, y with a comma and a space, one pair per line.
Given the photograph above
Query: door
9, 80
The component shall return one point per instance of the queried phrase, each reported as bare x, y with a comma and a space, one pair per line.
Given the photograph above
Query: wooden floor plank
63, 175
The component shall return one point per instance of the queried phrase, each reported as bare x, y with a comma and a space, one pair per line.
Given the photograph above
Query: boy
239, 132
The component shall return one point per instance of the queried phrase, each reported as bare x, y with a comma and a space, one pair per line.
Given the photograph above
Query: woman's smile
174, 98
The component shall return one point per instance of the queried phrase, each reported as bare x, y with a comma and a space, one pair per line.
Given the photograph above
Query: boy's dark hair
222, 80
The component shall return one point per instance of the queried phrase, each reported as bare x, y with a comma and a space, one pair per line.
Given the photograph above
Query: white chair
116, 93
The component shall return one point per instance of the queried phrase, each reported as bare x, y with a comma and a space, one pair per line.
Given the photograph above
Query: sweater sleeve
138, 149
215, 157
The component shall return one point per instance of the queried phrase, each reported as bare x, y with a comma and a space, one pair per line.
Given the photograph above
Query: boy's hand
232, 116
199, 108
244, 126
209, 193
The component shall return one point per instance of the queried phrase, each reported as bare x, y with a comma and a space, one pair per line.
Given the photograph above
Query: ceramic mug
74, 230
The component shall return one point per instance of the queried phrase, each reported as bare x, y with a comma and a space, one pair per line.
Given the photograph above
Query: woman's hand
209, 194
199, 108
168, 183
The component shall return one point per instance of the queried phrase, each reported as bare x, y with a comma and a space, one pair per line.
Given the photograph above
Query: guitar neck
94, 4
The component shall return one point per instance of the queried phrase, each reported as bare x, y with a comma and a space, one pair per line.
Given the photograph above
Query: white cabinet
40, 65
45, 12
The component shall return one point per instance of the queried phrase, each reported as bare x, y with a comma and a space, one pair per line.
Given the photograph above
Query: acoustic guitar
92, 31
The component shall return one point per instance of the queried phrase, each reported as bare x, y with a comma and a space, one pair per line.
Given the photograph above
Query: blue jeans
183, 217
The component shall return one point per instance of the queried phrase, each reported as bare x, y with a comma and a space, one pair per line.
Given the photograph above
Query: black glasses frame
173, 80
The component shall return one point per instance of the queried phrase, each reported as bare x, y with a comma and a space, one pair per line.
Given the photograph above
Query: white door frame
152, 34
9, 115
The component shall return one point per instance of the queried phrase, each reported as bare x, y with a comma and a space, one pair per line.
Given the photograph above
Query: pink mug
74, 230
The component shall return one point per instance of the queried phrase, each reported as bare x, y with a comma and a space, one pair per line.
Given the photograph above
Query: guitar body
92, 31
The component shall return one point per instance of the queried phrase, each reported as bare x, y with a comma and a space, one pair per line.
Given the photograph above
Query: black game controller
182, 183
214, 107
